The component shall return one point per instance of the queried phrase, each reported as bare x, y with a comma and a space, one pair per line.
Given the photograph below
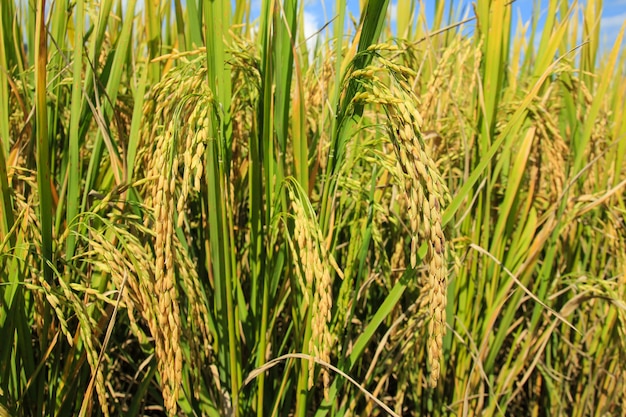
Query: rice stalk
313, 264
423, 186
161, 152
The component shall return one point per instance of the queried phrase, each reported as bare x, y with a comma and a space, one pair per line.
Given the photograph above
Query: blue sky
317, 12
613, 17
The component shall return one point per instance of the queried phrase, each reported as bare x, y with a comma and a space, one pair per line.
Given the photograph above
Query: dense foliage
202, 213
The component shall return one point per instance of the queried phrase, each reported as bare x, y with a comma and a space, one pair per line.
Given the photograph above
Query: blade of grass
74, 175
372, 20
6, 206
44, 180
580, 148
511, 126
134, 133
262, 154
43, 155
220, 222
193, 24
364, 338
5, 32
153, 33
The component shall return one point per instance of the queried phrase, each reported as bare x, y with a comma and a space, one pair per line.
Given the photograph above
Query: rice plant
202, 213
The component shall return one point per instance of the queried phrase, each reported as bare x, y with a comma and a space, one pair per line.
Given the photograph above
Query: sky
317, 12
613, 17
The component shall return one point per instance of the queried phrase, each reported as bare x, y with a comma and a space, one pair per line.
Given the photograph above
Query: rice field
205, 213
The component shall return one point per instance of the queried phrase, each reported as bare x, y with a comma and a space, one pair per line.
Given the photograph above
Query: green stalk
6, 207
153, 28
44, 182
256, 210
335, 124
73, 190
180, 26
43, 158
278, 68
302, 388
372, 21
95, 49
89, 108
135, 125
620, 117
405, 18
193, 25
262, 183
57, 27
220, 222
605, 78
382, 313
7, 10
285, 27
103, 112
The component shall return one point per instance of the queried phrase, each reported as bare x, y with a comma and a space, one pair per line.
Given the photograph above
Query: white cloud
311, 24
311, 29
613, 21
139, 5
393, 12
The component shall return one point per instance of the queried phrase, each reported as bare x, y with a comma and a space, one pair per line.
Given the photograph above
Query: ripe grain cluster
203, 212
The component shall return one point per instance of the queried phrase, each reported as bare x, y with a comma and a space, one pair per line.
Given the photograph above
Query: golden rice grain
172, 152
313, 261
426, 193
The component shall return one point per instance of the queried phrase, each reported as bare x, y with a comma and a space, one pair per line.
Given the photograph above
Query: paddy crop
202, 213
